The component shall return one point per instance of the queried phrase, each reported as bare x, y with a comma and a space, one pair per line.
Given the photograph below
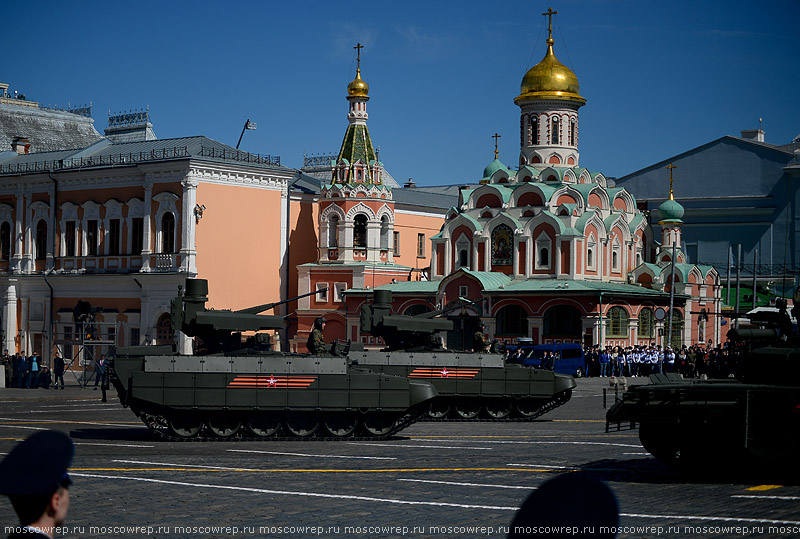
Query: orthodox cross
670, 167
358, 48
495, 137
550, 14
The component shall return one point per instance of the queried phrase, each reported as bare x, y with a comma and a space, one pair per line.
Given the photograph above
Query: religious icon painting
502, 245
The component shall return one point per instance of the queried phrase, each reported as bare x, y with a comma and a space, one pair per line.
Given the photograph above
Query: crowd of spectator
695, 361
30, 372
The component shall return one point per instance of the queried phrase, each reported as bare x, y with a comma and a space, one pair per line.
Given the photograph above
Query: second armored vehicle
471, 385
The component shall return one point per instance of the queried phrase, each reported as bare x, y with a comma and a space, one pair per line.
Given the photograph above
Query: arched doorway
164, 332
562, 323
466, 322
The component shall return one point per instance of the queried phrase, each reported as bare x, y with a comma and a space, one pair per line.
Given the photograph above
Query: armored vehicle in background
752, 419
245, 389
471, 385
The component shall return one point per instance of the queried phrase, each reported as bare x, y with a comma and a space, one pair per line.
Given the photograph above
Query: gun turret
220, 330
402, 332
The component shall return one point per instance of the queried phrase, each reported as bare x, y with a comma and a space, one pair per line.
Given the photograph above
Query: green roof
403, 287
580, 287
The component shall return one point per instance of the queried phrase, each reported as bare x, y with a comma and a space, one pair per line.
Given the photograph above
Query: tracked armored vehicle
472, 386
236, 389
749, 421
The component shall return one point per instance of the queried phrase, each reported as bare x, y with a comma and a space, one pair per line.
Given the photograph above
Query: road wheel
378, 423
498, 408
263, 424
301, 424
340, 424
224, 425
468, 408
439, 408
528, 407
185, 424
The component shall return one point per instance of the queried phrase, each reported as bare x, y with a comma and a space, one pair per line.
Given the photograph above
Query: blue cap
38, 465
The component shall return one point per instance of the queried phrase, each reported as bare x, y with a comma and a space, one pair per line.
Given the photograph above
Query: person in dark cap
569, 505
34, 477
316, 341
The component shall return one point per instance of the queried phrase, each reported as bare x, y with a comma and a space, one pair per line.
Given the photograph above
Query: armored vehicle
752, 417
471, 385
245, 389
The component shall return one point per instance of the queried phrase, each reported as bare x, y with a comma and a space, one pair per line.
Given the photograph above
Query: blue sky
659, 77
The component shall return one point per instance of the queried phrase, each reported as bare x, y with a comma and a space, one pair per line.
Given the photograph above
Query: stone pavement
435, 480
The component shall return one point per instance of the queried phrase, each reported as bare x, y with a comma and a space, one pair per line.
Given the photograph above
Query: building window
114, 237
533, 138
512, 321
573, 129
615, 255
385, 227
5, 240
164, 332
591, 246
322, 293
555, 131
41, 239
396, 244
333, 231
134, 337
646, 324
67, 348
502, 245
91, 237
544, 248
168, 233
677, 329
137, 236
360, 231
617, 322
421, 245
463, 291
112, 333
338, 288
69, 238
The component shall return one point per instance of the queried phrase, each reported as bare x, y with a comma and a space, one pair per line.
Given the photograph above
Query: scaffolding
82, 344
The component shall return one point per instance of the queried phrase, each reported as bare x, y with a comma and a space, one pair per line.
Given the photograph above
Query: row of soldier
646, 360
30, 372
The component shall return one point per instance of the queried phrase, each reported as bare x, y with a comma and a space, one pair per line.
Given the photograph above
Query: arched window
512, 321
360, 231
677, 329
168, 233
5, 240
533, 137
573, 130
543, 248
646, 324
562, 321
385, 226
414, 310
333, 231
544, 256
463, 258
554, 136
617, 322
41, 239
164, 331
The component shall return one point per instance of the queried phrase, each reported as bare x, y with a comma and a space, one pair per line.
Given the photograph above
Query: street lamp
248, 125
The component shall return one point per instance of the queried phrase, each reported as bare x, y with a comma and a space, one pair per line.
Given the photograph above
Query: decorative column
51, 230
373, 241
188, 253
18, 221
27, 260
557, 256
448, 256
529, 254
146, 225
10, 316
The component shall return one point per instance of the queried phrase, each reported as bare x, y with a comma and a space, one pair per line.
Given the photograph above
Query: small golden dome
358, 88
550, 79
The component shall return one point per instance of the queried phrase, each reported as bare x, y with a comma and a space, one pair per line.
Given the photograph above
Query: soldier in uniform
8, 368
34, 477
316, 341
479, 340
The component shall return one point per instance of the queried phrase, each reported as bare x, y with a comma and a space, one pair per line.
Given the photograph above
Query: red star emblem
271, 381
444, 372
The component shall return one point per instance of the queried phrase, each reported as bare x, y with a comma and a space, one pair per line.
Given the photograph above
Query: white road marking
465, 484
182, 465
112, 445
756, 497
308, 455
136, 426
714, 519
49, 411
23, 427
421, 446
635, 454
543, 443
297, 493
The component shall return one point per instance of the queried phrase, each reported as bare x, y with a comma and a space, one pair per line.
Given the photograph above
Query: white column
373, 241
146, 225
557, 257
487, 254
448, 256
573, 258
27, 260
51, 230
529, 254
188, 253
434, 257
346, 247
19, 218
10, 315
515, 257
474, 260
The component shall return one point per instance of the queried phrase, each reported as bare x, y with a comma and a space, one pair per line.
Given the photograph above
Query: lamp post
248, 126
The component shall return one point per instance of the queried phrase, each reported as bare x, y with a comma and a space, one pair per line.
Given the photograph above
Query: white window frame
616, 255
541, 242
591, 247
338, 288
322, 292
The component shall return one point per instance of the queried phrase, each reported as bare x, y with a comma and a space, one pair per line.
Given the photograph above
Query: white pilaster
147, 211
188, 251
10, 315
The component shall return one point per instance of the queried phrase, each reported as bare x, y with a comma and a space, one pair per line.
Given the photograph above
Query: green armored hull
272, 396
713, 424
475, 386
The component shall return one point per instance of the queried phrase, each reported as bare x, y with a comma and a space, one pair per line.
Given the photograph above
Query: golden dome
550, 79
358, 88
